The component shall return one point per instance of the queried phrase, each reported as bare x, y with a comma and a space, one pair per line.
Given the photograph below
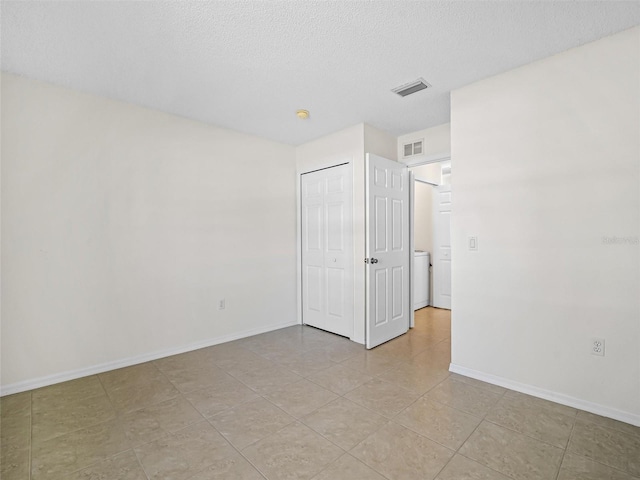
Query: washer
421, 264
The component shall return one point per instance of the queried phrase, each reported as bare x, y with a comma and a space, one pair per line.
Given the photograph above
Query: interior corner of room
129, 234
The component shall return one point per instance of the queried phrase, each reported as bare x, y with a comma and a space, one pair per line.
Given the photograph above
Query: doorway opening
432, 234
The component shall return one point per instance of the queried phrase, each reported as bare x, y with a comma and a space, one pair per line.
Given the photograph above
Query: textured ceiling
249, 65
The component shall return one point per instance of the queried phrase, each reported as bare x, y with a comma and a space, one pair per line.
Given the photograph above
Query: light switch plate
473, 243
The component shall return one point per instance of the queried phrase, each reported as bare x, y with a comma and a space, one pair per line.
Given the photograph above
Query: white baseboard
627, 417
127, 362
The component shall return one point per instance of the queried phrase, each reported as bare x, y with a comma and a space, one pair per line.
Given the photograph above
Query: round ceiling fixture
302, 114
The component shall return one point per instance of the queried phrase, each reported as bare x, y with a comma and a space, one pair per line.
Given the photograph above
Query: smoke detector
413, 87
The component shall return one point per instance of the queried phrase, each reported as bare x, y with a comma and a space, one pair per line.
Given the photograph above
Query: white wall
123, 227
380, 143
546, 165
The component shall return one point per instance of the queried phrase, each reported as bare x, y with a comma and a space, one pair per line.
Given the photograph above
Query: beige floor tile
60, 456
382, 397
437, 357
15, 432
541, 403
235, 359
268, 379
14, 463
265, 345
399, 453
295, 452
156, 421
534, 418
182, 454
416, 379
300, 398
608, 446
52, 419
462, 468
178, 443
307, 363
124, 466
280, 353
15, 436
608, 422
250, 422
70, 391
342, 350
512, 453
478, 384
575, 467
136, 387
190, 371
340, 379
344, 423
443, 424
226, 393
17, 404
348, 468
463, 396
234, 467
404, 347
370, 363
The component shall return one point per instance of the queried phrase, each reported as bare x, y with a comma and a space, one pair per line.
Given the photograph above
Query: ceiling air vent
413, 148
412, 87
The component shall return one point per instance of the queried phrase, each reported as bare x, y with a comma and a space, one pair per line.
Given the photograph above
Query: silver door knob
374, 260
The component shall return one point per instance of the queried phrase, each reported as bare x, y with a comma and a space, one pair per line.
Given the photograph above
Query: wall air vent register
412, 148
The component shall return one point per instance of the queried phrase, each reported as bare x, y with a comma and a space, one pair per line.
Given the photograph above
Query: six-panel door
387, 246
327, 250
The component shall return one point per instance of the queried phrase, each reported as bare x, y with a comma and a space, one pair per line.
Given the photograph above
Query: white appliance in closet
421, 279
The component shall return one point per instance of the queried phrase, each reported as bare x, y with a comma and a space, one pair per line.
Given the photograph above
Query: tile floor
300, 403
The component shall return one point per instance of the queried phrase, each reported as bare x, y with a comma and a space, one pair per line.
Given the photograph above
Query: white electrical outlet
597, 346
222, 304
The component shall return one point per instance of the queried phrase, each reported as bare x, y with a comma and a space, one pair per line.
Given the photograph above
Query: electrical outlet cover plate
597, 346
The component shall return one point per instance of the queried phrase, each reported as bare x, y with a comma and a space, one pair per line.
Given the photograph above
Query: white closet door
327, 250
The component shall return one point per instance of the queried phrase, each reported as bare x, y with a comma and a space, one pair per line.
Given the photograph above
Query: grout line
492, 469
30, 433
140, 463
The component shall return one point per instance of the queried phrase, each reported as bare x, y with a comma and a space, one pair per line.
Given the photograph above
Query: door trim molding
440, 157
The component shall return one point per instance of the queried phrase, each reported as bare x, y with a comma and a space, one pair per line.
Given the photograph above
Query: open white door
387, 250
442, 246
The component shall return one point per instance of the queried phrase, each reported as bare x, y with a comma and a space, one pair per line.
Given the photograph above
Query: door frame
322, 166
441, 157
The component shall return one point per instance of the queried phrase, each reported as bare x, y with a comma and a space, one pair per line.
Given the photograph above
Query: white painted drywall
437, 141
123, 228
547, 168
380, 143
